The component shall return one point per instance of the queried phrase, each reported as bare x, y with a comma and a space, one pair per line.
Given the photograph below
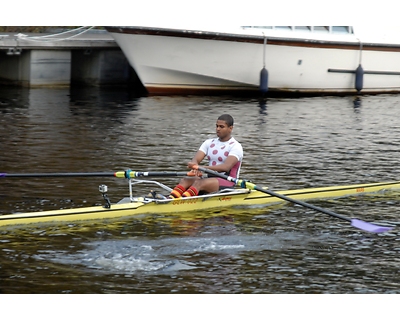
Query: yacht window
283, 28
257, 27
321, 29
303, 28
340, 29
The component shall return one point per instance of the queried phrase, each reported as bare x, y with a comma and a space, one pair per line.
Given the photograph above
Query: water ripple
289, 143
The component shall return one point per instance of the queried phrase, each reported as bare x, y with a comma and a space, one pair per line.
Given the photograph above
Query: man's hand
194, 172
193, 165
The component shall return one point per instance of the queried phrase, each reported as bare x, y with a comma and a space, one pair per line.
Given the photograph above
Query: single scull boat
247, 195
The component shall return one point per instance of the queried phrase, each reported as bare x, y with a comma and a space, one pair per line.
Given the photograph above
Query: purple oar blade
366, 226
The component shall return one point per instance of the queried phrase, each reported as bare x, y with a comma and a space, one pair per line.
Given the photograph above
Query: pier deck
91, 58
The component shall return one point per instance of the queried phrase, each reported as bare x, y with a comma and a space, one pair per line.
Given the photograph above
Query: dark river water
288, 143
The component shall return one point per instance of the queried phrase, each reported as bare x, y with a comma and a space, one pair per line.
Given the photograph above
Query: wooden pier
50, 60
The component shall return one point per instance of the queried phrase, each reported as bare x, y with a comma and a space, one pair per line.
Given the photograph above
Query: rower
224, 154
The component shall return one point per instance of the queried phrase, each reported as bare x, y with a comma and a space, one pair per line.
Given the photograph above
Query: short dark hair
227, 118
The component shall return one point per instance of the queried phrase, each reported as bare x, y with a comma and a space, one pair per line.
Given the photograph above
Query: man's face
222, 130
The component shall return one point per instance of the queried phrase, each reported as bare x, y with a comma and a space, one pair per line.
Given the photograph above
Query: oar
118, 174
366, 226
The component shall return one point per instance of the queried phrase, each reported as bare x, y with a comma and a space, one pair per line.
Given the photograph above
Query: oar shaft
249, 185
54, 175
301, 203
118, 174
366, 226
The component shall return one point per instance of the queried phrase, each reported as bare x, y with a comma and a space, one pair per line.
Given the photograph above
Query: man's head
227, 118
224, 127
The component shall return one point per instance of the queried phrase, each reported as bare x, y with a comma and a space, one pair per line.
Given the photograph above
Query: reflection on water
357, 103
263, 107
288, 143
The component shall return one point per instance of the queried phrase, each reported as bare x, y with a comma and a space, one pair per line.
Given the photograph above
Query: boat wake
168, 255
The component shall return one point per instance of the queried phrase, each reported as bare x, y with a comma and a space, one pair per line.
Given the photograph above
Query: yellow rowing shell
230, 198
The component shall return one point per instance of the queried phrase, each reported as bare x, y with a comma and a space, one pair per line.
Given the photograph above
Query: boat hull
189, 62
234, 198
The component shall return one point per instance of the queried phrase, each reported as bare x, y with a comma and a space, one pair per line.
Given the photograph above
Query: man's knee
207, 185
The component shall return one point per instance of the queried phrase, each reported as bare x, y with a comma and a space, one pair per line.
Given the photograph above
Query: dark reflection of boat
357, 103
263, 106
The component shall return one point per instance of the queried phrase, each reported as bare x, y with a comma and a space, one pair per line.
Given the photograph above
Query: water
289, 143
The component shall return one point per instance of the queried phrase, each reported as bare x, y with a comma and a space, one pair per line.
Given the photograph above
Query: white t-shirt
217, 151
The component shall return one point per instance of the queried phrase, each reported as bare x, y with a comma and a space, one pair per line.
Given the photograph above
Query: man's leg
207, 185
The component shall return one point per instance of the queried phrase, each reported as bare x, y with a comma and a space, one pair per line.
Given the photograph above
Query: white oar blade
370, 227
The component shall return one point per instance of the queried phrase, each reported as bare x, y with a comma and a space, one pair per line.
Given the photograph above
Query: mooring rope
49, 39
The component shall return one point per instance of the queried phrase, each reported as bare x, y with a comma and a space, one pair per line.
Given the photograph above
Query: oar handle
135, 174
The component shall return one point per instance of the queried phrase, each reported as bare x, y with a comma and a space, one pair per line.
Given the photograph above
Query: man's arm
198, 157
226, 166
223, 167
